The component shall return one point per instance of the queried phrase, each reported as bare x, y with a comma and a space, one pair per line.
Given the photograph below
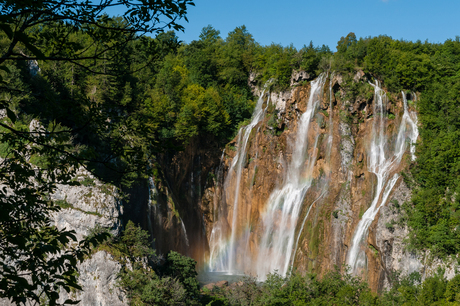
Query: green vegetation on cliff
430, 71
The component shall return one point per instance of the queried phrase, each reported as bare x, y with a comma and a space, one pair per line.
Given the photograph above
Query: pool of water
205, 277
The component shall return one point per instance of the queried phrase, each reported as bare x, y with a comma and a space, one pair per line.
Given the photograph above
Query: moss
361, 212
173, 207
315, 239
390, 226
106, 189
39, 161
272, 122
325, 113
63, 204
4, 150
87, 181
374, 250
66, 205
254, 177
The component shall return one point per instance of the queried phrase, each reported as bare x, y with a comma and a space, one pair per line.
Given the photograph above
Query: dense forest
129, 97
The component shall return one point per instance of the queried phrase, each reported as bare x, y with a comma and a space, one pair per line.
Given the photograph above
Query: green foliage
296, 289
335, 214
182, 268
136, 241
452, 293
335, 288
87, 181
148, 280
67, 66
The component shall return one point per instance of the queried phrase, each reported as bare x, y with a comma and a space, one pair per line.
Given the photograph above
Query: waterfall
383, 160
184, 232
285, 203
222, 255
153, 207
325, 179
283, 206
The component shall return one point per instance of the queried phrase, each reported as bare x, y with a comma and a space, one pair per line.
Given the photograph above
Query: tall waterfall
285, 203
383, 160
283, 206
324, 180
222, 253
260, 237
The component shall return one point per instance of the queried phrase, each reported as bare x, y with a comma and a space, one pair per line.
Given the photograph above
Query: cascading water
153, 207
222, 253
324, 180
383, 160
285, 203
276, 246
184, 232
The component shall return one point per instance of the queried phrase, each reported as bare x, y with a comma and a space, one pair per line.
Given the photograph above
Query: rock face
88, 206
98, 278
181, 199
200, 205
343, 186
92, 206
298, 77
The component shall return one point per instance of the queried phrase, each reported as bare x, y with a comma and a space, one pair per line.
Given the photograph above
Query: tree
37, 259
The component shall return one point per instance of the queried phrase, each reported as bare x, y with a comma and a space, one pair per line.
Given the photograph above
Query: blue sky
324, 22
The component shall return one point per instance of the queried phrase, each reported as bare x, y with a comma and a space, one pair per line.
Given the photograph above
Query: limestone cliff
343, 185
227, 209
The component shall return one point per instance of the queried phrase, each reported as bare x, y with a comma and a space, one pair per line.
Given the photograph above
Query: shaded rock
222, 284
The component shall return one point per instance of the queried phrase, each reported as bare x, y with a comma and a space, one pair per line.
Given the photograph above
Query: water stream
383, 161
222, 252
285, 202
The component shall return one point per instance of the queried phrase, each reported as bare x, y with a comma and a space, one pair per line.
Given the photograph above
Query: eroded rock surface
98, 278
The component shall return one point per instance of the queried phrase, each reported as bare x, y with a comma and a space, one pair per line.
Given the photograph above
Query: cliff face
336, 203
313, 181
178, 210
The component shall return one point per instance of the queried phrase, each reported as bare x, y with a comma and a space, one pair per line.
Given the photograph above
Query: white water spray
222, 256
285, 203
382, 161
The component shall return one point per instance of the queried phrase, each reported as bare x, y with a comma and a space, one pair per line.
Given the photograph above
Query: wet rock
346, 146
